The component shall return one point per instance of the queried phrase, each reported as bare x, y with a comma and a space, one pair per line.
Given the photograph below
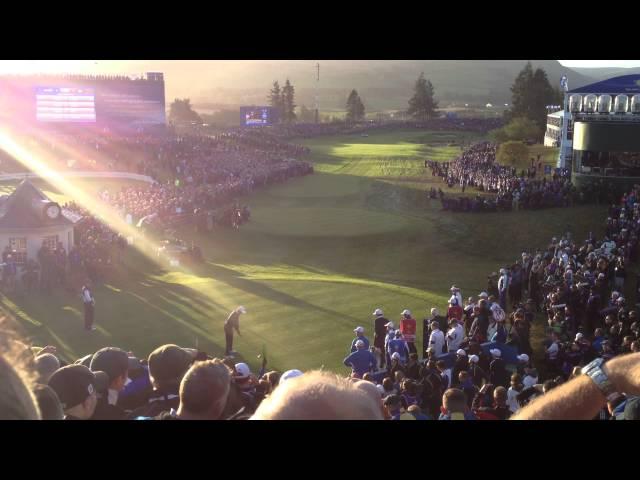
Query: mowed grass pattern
319, 255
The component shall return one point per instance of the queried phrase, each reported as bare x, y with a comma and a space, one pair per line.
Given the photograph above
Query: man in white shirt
89, 305
436, 339
552, 351
455, 335
503, 285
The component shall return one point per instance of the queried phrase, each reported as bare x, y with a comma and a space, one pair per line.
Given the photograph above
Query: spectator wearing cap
46, 364
455, 336
320, 395
167, 366
408, 329
454, 406
437, 340
243, 395
478, 375
455, 309
396, 365
361, 361
204, 391
391, 335
359, 331
457, 294
115, 363
230, 324
48, 402
498, 374
380, 333
245, 380
461, 364
426, 327
523, 362
75, 387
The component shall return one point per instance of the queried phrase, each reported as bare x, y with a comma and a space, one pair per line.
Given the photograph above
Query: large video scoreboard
258, 116
103, 101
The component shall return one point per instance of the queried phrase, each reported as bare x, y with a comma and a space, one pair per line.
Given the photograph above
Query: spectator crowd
477, 168
477, 361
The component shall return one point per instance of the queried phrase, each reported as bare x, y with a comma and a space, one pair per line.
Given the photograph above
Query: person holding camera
582, 397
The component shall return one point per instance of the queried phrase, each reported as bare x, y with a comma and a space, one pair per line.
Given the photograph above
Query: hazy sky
600, 63
113, 66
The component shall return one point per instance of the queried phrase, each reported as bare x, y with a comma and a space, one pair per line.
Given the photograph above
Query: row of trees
422, 105
531, 93
284, 100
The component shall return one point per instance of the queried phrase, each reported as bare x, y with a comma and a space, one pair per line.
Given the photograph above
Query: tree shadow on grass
234, 279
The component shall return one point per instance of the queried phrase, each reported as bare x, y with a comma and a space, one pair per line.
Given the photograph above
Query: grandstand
599, 131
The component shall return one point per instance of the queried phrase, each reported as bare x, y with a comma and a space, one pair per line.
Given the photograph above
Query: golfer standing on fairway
232, 322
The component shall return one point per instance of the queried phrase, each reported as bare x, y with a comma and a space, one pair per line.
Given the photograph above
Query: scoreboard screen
65, 104
257, 116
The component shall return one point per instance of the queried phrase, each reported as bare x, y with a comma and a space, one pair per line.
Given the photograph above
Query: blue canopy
625, 84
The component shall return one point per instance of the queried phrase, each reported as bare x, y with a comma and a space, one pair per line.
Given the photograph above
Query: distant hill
383, 84
604, 73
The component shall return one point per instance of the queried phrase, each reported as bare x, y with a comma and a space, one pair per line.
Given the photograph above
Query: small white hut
28, 219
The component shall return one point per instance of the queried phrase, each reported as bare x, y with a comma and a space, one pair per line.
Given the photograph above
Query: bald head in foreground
321, 395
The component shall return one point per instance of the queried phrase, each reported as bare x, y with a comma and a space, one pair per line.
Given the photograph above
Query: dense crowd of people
477, 168
578, 289
198, 180
463, 372
476, 362
309, 130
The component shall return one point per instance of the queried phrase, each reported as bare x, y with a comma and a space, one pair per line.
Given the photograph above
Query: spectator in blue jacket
597, 340
361, 361
399, 346
359, 331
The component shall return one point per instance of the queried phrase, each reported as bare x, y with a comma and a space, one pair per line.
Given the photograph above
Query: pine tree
289, 105
274, 95
181, 111
355, 107
531, 93
423, 106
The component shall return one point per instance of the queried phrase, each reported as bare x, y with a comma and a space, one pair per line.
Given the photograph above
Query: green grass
319, 255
